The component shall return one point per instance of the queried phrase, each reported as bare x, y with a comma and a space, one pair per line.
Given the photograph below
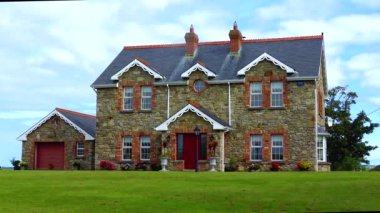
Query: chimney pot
191, 39
235, 39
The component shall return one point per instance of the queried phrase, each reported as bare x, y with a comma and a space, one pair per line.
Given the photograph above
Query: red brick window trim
135, 146
80, 149
266, 92
266, 144
135, 97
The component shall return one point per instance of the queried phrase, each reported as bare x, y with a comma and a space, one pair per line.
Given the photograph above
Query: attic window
199, 85
57, 122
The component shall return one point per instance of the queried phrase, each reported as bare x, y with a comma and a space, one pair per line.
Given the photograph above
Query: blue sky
51, 52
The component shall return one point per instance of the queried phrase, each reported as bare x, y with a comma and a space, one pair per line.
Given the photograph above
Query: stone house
259, 100
59, 138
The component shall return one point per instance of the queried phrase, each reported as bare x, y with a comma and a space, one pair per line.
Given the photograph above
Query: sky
51, 52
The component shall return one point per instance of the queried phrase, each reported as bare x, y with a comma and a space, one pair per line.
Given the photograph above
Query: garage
50, 155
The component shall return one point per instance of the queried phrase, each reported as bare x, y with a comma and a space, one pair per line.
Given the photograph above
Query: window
276, 93
127, 148
80, 149
146, 98
180, 146
321, 148
256, 147
256, 94
199, 85
203, 147
277, 148
128, 98
145, 148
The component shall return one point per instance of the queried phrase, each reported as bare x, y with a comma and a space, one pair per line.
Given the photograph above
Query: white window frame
322, 148
127, 97
277, 147
256, 94
253, 146
80, 150
272, 93
127, 147
146, 97
142, 146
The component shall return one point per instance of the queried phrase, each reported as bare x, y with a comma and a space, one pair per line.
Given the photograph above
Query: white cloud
297, 9
63, 56
365, 67
375, 100
22, 114
372, 4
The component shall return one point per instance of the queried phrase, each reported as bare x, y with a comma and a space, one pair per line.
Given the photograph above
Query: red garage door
50, 156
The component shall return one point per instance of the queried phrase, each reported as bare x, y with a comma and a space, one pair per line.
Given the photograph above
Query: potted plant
164, 155
23, 165
212, 147
303, 165
275, 166
76, 164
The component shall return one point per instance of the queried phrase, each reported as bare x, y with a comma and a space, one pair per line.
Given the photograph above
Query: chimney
191, 42
235, 39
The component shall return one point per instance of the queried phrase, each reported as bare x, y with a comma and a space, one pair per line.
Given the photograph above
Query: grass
117, 191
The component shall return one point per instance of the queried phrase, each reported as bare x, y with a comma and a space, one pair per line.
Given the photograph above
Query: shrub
141, 166
275, 166
125, 166
23, 165
107, 165
15, 163
303, 165
231, 165
76, 164
254, 167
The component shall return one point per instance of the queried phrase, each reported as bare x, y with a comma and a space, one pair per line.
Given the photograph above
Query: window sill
277, 108
255, 108
145, 110
126, 111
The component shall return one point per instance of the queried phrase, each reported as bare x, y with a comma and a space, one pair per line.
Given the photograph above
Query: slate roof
303, 54
84, 121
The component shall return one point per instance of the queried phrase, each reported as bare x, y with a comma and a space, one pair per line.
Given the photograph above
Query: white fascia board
215, 125
266, 56
23, 137
136, 63
199, 67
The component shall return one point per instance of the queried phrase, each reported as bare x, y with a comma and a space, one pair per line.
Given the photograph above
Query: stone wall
295, 121
51, 132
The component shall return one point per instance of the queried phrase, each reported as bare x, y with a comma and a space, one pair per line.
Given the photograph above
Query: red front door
50, 156
189, 150
186, 146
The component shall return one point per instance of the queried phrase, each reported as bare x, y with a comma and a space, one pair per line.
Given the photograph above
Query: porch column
221, 158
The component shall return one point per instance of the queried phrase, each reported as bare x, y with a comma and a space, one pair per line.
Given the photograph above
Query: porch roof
215, 121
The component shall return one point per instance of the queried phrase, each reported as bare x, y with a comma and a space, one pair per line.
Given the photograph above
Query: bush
107, 165
231, 165
303, 165
376, 168
275, 166
141, 166
15, 163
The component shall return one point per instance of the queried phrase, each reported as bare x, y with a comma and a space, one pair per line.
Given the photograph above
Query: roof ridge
292, 38
74, 112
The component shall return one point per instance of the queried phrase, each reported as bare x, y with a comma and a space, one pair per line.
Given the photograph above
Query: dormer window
199, 85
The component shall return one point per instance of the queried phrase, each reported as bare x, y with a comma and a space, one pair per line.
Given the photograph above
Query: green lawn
117, 191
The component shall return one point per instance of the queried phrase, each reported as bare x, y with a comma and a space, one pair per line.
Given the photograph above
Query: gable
216, 123
200, 68
56, 112
138, 63
262, 57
